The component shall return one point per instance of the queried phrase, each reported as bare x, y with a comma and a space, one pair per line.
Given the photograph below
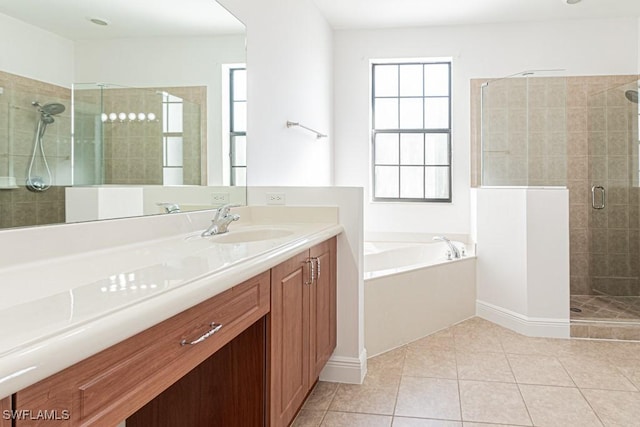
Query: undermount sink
250, 235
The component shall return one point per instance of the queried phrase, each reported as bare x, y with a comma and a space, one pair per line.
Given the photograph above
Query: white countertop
58, 310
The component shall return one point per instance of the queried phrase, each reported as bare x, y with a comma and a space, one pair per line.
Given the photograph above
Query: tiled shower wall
578, 132
18, 119
133, 150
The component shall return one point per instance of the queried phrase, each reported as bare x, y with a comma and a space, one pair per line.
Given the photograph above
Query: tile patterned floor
603, 307
477, 374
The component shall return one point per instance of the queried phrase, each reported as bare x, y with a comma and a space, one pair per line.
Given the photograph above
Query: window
411, 131
238, 125
172, 133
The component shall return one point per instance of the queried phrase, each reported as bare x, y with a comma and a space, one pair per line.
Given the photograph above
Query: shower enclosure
582, 133
32, 193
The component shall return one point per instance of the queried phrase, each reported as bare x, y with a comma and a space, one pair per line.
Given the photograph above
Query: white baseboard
530, 326
350, 370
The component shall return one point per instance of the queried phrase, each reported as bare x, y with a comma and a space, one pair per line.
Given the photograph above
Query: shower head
52, 109
632, 95
49, 109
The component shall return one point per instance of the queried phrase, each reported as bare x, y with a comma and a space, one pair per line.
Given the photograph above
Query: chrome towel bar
318, 134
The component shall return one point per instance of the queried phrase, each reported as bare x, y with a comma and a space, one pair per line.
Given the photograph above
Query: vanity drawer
111, 385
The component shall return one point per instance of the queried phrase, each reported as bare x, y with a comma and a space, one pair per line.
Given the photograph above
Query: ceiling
127, 18
362, 14
157, 18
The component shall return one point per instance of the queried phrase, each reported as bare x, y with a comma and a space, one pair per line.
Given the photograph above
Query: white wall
289, 57
523, 259
581, 47
34, 53
160, 61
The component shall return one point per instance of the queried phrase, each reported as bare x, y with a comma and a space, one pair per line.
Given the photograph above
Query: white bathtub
412, 290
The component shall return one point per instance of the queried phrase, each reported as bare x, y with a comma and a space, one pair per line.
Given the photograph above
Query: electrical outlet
275, 199
219, 198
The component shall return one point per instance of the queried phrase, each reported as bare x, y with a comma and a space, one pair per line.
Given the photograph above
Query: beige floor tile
630, 368
475, 325
467, 424
558, 406
343, 419
381, 376
321, 396
542, 370
391, 359
308, 418
442, 341
588, 372
623, 350
428, 398
539, 365
423, 362
479, 342
615, 408
423, 422
368, 400
493, 402
484, 367
519, 344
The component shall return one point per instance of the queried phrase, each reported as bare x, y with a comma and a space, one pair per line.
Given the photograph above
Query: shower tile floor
607, 308
478, 374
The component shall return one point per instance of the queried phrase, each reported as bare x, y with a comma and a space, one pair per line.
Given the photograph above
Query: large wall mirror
116, 109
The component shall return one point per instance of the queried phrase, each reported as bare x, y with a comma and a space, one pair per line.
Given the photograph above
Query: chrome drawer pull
215, 327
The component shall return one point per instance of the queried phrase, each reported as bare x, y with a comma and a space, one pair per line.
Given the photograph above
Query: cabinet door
289, 338
5, 412
322, 307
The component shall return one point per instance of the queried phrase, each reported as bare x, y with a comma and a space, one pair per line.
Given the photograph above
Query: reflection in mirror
133, 136
171, 128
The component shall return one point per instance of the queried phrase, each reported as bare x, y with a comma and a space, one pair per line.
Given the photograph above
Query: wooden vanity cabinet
112, 385
278, 331
302, 332
5, 412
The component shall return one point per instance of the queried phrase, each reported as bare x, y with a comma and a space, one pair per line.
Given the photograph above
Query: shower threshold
605, 317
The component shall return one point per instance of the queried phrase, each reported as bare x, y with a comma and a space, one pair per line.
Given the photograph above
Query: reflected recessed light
572, 1
99, 21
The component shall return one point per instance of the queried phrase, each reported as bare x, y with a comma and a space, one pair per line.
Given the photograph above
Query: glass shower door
614, 235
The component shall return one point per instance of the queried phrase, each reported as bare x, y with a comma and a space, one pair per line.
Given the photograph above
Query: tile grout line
395, 403
526, 407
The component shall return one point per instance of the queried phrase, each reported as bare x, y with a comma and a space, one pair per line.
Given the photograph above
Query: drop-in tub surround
412, 289
75, 293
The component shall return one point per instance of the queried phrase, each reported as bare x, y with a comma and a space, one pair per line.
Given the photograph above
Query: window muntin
411, 135
238, 125
172, 140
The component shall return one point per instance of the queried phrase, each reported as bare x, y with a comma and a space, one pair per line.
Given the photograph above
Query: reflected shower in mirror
172, 129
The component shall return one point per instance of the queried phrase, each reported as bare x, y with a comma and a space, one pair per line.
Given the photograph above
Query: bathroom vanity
245, 356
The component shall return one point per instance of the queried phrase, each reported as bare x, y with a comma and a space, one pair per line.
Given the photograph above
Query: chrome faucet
220, 223
169, 207
454, 250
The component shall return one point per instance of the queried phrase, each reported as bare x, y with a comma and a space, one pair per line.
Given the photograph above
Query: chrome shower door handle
603, 197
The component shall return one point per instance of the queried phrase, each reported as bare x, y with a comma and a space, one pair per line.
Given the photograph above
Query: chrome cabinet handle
603, 197
215, 327
312, 275
317, 268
